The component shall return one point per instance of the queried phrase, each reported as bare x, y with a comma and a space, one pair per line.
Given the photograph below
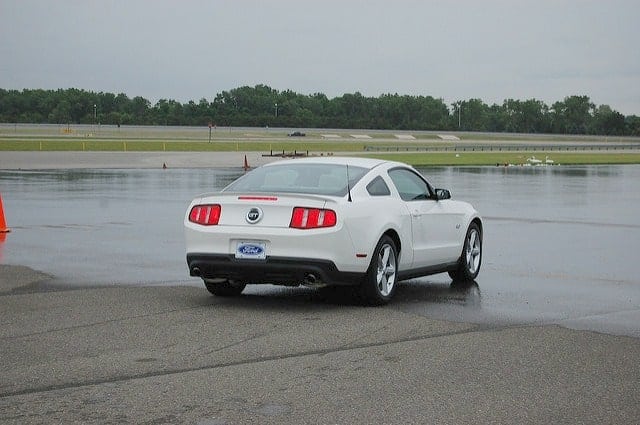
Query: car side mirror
442, 194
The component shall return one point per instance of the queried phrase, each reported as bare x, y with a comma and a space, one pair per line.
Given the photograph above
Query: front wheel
225, 289
379, 284
471, 258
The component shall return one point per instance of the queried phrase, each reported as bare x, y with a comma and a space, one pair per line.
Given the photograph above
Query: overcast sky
455, 50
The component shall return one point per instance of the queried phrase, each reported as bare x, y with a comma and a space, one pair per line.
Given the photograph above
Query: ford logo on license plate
255, 250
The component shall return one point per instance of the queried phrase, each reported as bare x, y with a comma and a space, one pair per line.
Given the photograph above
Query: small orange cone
3, 223
246, 163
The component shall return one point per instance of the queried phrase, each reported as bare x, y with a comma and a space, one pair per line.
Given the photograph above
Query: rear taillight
312, 218
206, 215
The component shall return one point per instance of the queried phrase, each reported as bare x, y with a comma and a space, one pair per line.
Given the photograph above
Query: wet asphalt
559, 242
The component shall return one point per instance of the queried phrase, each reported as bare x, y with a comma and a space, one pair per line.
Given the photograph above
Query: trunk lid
262, 210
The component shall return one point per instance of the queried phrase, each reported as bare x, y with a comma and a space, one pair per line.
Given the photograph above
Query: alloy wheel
386, 275
473, 251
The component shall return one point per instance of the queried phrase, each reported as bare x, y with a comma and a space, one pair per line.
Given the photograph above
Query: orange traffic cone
3, 223
246, 163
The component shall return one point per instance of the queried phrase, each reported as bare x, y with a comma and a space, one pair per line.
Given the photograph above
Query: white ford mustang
330, 221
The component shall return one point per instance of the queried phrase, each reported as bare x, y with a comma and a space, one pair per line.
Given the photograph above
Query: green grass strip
316, 147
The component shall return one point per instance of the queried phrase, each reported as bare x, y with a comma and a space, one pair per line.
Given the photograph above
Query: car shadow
412, 291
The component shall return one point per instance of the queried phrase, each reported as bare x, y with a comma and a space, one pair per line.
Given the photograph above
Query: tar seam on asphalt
113, 380
88, 325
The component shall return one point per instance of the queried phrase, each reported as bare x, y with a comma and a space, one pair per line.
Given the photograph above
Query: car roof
367, 163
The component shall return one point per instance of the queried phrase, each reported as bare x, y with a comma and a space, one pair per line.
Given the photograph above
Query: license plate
251, 250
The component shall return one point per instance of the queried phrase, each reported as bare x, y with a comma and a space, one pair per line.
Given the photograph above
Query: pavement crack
354, 341
560, 221
234, 344
595, 314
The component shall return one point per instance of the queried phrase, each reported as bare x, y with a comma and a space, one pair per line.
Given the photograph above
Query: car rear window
320, 179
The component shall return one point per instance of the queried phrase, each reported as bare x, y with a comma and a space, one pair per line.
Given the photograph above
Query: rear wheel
224, 289
471, 258
379, 284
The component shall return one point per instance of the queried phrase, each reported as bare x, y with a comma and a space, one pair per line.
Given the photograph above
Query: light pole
276, 110
95, 117
459, 112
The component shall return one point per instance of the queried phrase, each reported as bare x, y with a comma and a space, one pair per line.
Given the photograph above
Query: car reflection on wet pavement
559, 242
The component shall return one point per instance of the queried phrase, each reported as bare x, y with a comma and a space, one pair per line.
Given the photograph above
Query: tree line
262, 106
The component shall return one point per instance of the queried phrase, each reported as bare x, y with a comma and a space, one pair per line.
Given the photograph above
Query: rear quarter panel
368, 219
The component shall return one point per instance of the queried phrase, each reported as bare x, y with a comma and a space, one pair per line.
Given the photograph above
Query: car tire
471, 257
225, 289
380, 282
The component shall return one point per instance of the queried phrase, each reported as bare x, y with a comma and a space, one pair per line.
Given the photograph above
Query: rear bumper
275, 270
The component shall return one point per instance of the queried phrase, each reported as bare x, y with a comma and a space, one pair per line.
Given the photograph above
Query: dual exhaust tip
309, 279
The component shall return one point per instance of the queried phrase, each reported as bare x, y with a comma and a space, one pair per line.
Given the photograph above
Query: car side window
410, 186
377, 187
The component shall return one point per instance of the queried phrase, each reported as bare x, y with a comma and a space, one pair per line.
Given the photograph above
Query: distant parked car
296, 134
331, 221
